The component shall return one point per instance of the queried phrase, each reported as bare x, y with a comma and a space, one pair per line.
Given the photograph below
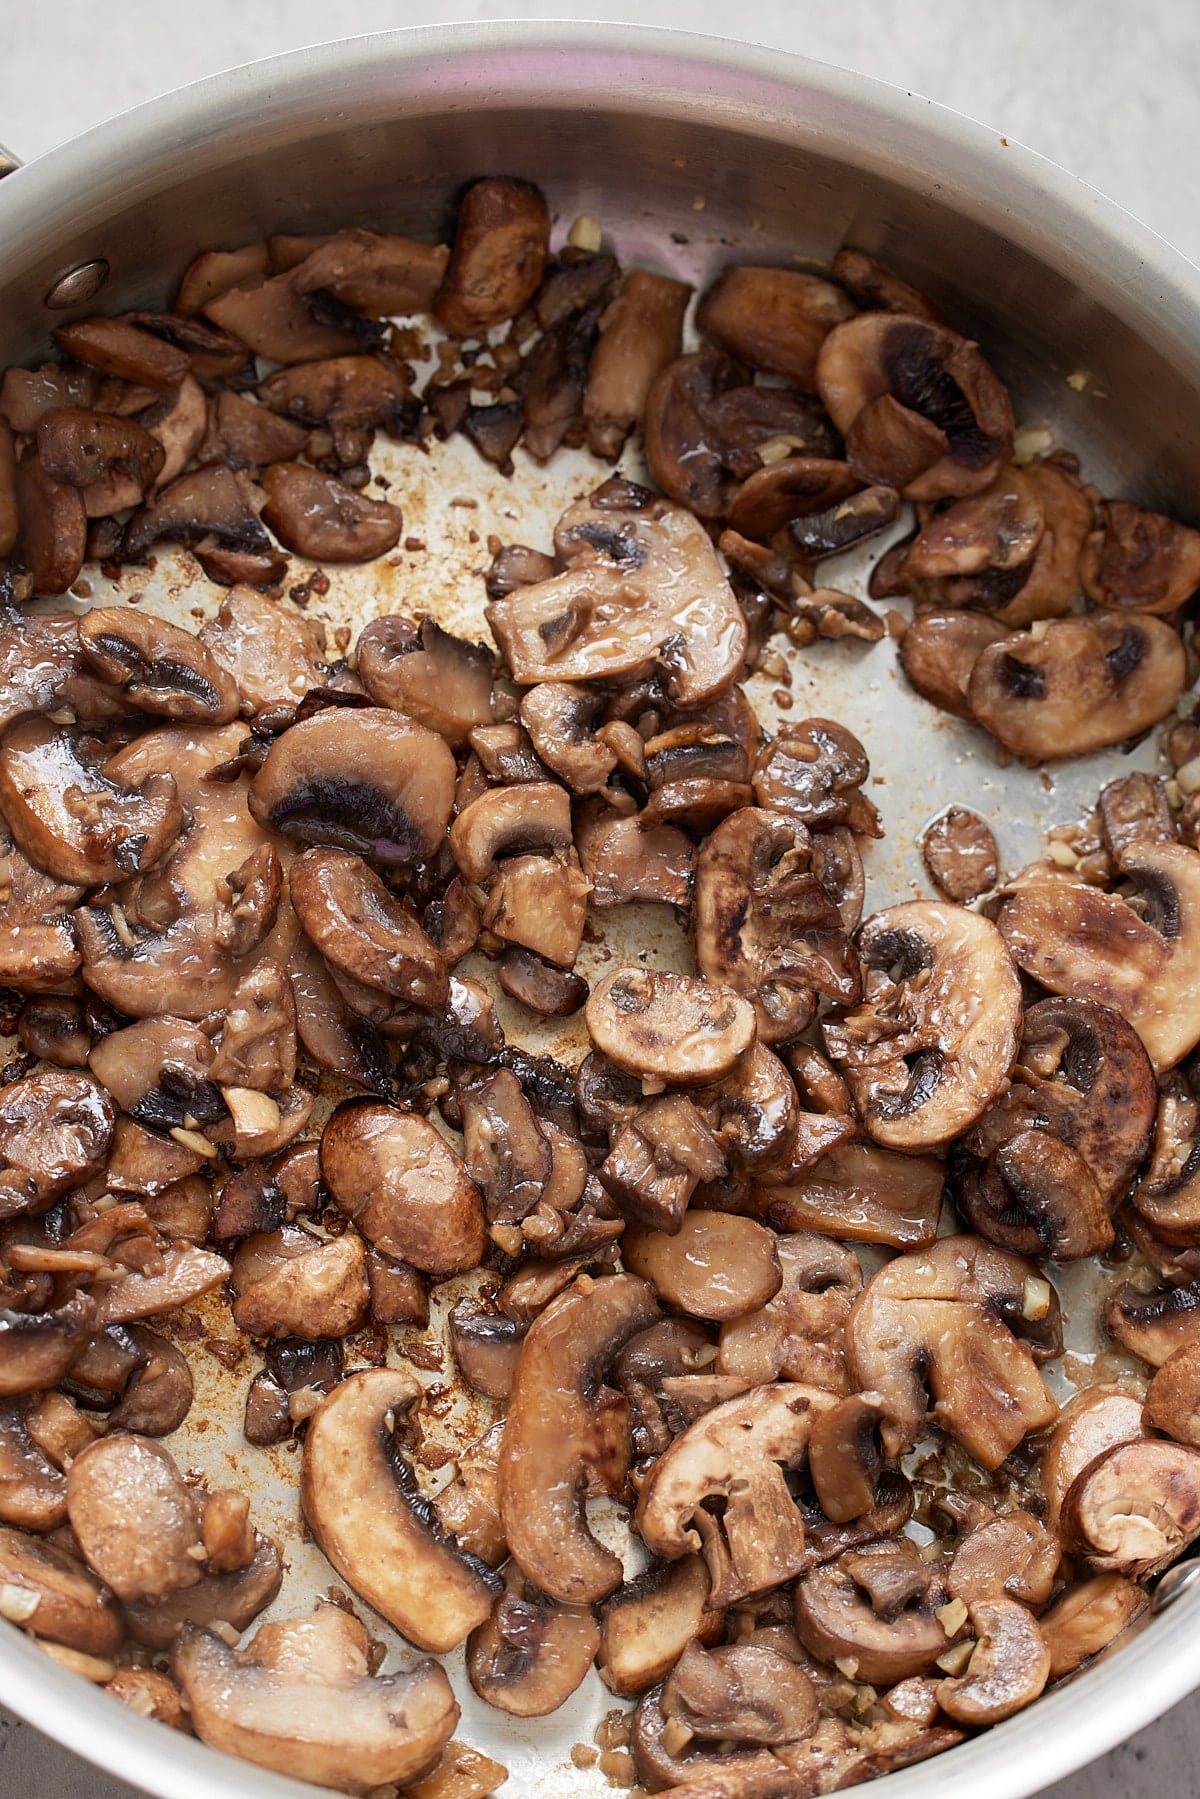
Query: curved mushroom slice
938, 652
39, 1347
1087, 1618
63, 1602
919, 406
41, 670
751, 1772
1139, 561
945, 1316
113, 460
204, 508
813, 770
362, 1505
774, 319
364, 780
716, 1265
274, 655
532, 1653
960, 853
500, 248
406, 1190
564, 1431
357, 925
670, 1027
544, 988
799, 1334
845, 1459
419, 669
318, 516
360, 390
937, 1034
1135, 1508
640, 334
1093, 945
335, 1036
1173, 1396
300, 1699
291, 1284
258, 1038
271, 315
755, 1112
561, 720
626, 861
1078, 684
137, 1521
647, 1624
862, 1192
658, 1158
486, 1346
1035, 1195
235, 1598
643, 589
1008, 1669
539, 903
1001, 1556
53, 537
1094, 1421
375, 273
33, 1490
157, 1070
72, 818
144, 973
157, 667
737, 1452
177, 423
116, 347
878, 288
876, 1608
741, 1693
765, 926
56, 1126
998, 529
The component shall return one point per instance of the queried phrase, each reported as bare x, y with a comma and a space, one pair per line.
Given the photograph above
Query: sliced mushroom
1087, 1618
39, 1347
669, 1027
318, 516
377, 274
960, 854
258, 1039
291, 1284
627, 861
662, 1761
539, 903
640, 335
157, 667
205, 508
1095, 1420
864, 1193
774, 319
945, 1316
937, 1034
741, 1693
56, 1126
499, 254
1008, 1669
800, 1333
33, 1491
419, 669
300, 1698
716, 1265
1138, 560
351, 917
738, 1452
1011, 1555
642, 589
136, 1519
813, 771
901, 1635
1135, 1508
74, 820
232, 1599
844, 1457
273, 316
1077, 684
362, 1505
564, 1430
53, 536
938, 652
185, 1274
1093, 945
754, 1112
659, 1157
878, 288
1036, 1195
1173, 1396
364, 780
532, 1653
486, 1346
403, 1185
113, 460
177, 423
62, 1600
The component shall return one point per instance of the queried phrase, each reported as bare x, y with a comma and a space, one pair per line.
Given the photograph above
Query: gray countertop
1104, 88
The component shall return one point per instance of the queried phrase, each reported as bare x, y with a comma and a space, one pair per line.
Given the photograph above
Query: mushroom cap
1008, 1667
836, 1621
136, 1520
648, 1623
365, 780
717, 1265
1173, 1397
404, 1186
158, 667
740, 1693
1135, 1508
1093, 1421
934, 1041
73, 1607
672, 1027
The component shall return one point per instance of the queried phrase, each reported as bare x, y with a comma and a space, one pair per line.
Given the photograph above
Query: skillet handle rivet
77, 285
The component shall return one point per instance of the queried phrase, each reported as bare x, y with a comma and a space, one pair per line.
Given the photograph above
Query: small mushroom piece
658, 1158
72, 819
1134, 1508
468, 1509
764, 924
716, 1265
561, 720
665, 1759
442, 681
532, 1653
318, 516
157, 1070
1008, 1669
1173, 1396
627, 861
945, 1316
1087, 1618
774, 319
642, 589
352, 918
486, 1346
949, 425
813, 771
550, 991
116, 347
648, 1623
506, 821
1077, 684
135, 1518
233, 1599
960, 854
1094, 1420
355, 390
375, 273
498, 258
56, 1126
1134, 808
999, 529
669, 1027
538, 903
799, 1334
52, 541
300, 1699
205, 507
291, 1284
1088, 944
177, 423
844, 1458
363, 780
507, 1152
755, 1112
274, 655
737, 1452
1011, 1556
62, 1600
1037, 1196
113, 460
157, 667
1139, 561
640, 334
938, 652
864, 1193
33, 1491
258, 1038
565, 1429
740, 1693
404, 1187
926, 1053
363, 1507
877, 1608
276, 320
39, 1347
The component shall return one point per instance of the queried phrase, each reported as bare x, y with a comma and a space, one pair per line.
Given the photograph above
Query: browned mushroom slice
659, 1157
252, 436
737, 1452
665, 1756
300, 1698
39, 1347
539, 902
507, 1151
960, 854
499, 255
561, 721
566, 1431
1135, 808
116, 347
33, 1489
113, 460
1135, 1508
813, 770
949, 422
864, 1193
799, 1334
403, 1185
206, 507
626, 862
1094, 1421
741, 1693
1087, 1618
716, 1265
1093, 945
486, 1346
774, 496
1036, 1195
74, 821
337, 1038
363, 389
186, 1273
670, 1027
366, 781
379, 275
291, 1284
276, 320
135, 1518
923, 1058
998, 529
361, 1503
157, 667
62, 1601
274, 655
25, 394
419, 669
532, 1653
1154, 1325
504, 821
258, 1038
317, 515
940, 649
844, 1457
56, 1125
774, 319
647, 1624
213, 272
876, 1608
878, 288
1140, 561
360, 928
643, 588
640, 334
53, 537
1008, 1668
235, 1598
946, 1316
1173, 1397
158, 1071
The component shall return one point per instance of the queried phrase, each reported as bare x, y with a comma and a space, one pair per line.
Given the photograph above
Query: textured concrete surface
1107, 90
